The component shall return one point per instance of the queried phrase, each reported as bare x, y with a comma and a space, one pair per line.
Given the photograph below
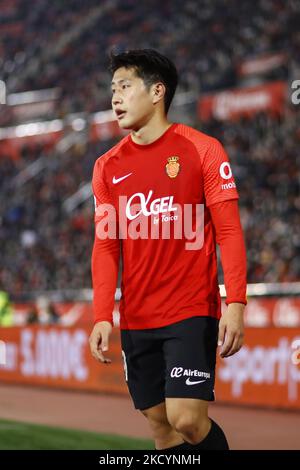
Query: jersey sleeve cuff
109, 320
238, 301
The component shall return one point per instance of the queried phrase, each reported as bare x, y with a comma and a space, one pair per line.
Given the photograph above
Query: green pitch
15, 435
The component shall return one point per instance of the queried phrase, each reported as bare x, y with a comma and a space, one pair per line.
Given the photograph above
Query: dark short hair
149, 65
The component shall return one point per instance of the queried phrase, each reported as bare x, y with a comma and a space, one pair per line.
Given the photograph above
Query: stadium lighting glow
35, 128
78, 124
104, 116
2, 92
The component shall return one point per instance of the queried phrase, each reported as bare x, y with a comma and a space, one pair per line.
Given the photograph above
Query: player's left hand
231, 330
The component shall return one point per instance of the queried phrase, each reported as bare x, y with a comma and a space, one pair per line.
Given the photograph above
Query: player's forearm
229, 236
233, 256
105, 264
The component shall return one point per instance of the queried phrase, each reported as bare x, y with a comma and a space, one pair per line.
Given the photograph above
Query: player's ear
158, 92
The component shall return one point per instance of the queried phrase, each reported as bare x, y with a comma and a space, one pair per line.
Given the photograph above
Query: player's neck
152, 131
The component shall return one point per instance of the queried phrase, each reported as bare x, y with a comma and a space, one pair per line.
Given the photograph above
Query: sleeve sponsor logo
225, 171
226, 174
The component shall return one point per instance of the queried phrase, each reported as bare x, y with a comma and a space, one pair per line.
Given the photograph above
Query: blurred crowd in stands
43, 247
64, 44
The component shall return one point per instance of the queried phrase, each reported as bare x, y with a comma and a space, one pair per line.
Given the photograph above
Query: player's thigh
144, 367
157, 415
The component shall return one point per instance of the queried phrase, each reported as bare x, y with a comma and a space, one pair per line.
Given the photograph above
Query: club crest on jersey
172, 167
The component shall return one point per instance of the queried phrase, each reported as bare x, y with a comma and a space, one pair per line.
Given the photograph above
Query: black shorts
177, 361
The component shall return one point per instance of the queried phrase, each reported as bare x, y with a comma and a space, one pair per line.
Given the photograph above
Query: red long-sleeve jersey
143, 194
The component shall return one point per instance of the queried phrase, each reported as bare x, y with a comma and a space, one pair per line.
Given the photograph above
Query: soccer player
170, 310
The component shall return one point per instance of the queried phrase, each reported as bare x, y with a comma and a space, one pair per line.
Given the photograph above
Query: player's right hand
99, 340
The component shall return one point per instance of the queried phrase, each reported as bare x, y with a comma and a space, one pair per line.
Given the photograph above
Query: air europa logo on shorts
181, 372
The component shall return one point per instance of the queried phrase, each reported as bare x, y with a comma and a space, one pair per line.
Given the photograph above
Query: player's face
131, 100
